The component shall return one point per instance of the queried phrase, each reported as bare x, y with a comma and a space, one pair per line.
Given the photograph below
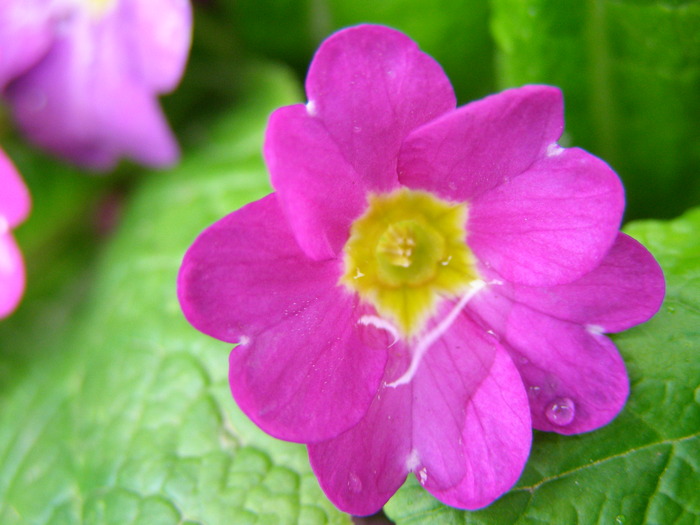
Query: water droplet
357, 129
423, 475
354, 483
561, 411
620, 519
533, 391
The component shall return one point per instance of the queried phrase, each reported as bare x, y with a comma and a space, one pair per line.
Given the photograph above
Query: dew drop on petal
561, 411
533, 391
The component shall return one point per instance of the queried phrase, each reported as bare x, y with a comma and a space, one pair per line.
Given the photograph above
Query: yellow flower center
405, 253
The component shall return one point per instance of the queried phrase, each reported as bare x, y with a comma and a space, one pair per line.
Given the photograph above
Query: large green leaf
454, 32
630, 71
128, 418
645, 466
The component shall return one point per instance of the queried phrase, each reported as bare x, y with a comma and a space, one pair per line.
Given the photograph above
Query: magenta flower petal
625, 290
363, 467
346, 140
371, 86
304, 183
12, 276
551, 224
451, 373
160, 31
483, 144
14, 196
576, 379
496, 438
301, 371
464, 440
426, 284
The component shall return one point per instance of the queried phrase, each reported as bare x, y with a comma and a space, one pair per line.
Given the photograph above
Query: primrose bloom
426, 284
14, 207
82, 76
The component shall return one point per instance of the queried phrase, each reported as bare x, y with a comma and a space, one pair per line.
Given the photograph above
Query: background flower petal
302, 372
318, 189
11, 274
14, 195
371, 86
496, 439
160, 32
25, 36
481, 145
82, 102
551, 224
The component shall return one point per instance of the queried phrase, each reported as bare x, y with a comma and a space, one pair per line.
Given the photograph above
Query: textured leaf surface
128, 418
645, 466
630, 71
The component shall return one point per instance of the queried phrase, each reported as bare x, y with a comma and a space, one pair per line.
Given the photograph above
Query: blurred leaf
128, 419
630, 71
58, 240
454, 32
645, 466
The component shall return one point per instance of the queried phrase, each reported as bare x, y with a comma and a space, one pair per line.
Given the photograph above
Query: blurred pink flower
14, 207
82, 76
426, 284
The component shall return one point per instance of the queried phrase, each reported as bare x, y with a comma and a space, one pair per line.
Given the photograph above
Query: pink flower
426, 284
14, 207
82, 76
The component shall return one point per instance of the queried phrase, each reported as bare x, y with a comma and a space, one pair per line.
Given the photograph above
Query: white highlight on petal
244, 340
412, 461
423, 475
554, 149
311, 108
381, 324
595, 329
433, 335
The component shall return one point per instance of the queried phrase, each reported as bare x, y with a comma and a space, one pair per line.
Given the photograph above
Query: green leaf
128, 417
645, 466
630, 71
454, 32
